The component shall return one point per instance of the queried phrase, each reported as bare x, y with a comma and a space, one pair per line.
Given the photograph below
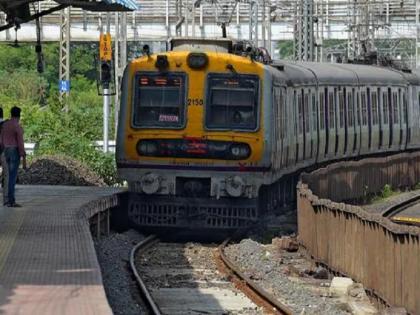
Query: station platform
48, 263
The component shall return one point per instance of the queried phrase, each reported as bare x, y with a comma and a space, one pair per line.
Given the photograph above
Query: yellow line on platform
8, 232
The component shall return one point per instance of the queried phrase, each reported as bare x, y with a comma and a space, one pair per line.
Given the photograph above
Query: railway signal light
105, 71
106, 75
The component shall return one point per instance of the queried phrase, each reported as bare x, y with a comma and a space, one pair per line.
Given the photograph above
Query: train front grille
191, 212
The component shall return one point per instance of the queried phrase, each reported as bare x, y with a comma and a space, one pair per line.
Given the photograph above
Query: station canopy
103, 5
22, 11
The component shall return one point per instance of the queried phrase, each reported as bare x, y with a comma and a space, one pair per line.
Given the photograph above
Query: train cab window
159, 100
364, 109
385, 108
375, 118
395, 107
331, 105
322, 111
232, 101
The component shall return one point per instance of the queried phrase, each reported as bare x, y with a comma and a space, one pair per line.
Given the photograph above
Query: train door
358, 120
307, 125
300, 144
384, 138
277, 126
374, 109
411, 100
341, 123
364, 116
403, 117
415, 116
395, 119
350, 122
322, 134
283, 128
331, 123
314, 125
291, 126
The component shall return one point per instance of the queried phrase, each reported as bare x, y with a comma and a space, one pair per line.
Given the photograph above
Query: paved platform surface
48, 263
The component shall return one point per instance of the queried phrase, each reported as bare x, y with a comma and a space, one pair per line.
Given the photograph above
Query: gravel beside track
168, 268
273, 271
59, 170
121, 289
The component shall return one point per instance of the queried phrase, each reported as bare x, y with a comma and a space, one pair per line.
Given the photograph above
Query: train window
314, 113
322, 111
364, 109
419, 100
281, 114
358, 109
341, 107
284, 113
306, 111
331, 105
375, 118
350, 112
404, 111
159, 100
300, 115
385, 109
395, 108
232, 101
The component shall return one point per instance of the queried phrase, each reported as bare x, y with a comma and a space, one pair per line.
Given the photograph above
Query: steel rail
251, 284
147, 242
401, 206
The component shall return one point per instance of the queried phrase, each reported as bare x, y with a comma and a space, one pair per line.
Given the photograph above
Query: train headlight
240, 151
197, 60
235, 186
150, 183
162, 62
147, 147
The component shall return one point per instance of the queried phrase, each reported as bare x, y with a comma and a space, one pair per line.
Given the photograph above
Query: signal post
105, 57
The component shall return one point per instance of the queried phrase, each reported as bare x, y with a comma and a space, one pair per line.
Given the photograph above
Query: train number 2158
195, 101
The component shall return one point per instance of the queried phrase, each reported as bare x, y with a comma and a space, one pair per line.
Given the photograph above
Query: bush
55, 131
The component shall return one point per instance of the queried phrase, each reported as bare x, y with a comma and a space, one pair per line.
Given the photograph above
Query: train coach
211, 137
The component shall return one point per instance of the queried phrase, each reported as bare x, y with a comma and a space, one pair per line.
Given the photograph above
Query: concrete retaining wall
354, 179
382, 255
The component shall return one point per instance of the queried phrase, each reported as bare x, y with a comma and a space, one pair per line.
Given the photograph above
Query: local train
210, 137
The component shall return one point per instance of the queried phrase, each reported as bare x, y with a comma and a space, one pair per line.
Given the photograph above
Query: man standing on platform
14, 151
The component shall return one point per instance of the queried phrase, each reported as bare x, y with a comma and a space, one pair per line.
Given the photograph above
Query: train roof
302, 73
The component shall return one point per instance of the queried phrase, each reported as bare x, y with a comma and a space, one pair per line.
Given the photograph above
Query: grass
385, 193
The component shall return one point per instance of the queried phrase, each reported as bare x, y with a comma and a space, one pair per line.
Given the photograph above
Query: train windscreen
159, 100
232, 102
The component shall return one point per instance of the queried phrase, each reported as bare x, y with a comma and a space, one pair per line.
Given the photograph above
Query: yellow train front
191, 136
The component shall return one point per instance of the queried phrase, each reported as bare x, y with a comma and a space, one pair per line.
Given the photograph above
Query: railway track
404, 212
185, 279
